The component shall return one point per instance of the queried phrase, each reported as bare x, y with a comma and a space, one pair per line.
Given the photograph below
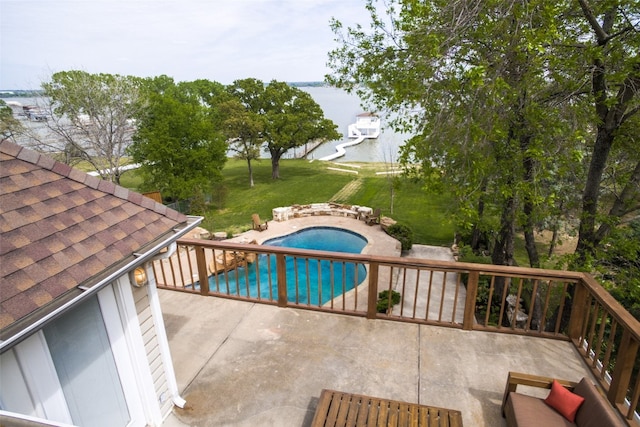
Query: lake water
338, 106
342, 108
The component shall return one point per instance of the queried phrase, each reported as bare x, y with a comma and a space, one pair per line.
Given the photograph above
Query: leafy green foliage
177, 144
385, 303
9, 125
278, 115
93, 114
402, 233
494, 94
618, 266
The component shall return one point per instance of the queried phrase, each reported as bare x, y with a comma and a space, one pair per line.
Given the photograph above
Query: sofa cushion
527, 411
563, 401
595, 411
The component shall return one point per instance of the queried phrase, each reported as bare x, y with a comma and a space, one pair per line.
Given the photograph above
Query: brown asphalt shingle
60, 227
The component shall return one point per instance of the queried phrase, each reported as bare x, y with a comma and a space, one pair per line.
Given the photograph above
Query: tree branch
601, 34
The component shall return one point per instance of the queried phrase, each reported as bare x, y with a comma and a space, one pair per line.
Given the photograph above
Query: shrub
383, 300
402, 233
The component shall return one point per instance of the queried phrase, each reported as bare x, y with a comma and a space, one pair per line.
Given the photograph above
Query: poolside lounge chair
374, 218
257, 224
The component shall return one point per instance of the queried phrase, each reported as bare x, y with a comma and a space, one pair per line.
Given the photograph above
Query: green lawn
301, 182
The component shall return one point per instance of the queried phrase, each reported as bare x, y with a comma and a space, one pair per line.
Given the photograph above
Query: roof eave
23, 328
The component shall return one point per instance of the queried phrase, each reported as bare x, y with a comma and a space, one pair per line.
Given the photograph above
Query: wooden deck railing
544, 303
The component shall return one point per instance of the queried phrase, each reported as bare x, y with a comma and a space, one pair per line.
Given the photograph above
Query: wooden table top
338, 409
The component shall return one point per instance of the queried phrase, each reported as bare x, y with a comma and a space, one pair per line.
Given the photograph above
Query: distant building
368, 124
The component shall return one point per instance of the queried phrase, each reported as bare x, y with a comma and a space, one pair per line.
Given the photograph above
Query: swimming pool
314, 278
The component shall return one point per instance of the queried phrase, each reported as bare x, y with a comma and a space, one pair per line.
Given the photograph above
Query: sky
217, 40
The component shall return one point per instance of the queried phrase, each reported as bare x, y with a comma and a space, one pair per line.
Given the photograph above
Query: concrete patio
246, 364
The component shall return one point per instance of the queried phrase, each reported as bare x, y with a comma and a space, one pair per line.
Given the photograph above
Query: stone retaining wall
316, 209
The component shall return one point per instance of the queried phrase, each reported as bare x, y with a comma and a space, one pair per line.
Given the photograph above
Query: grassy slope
303, 182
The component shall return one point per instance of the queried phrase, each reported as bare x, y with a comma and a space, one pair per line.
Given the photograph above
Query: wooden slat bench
338, 409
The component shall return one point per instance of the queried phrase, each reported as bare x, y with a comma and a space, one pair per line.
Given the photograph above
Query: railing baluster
503, 301
331, 283
296, 281
308, 284
426, 316
344, 283
545, 310
403, 290
532, 305
270, 280
592, 328
356, 281
442, 295
610, 344
319, 283
258, 281
492, 288
556, 329
598, 344
514, 319
455, 299
281, 271
470, 302
415, 294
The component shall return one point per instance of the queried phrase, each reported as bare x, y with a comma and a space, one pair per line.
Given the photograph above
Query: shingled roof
61, 228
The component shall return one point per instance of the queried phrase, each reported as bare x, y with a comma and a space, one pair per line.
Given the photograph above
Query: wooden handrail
606, 335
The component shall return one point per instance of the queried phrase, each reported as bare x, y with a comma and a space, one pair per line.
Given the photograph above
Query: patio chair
257, 224
374, 218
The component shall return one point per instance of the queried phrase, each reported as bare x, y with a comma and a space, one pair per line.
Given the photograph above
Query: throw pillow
564, 401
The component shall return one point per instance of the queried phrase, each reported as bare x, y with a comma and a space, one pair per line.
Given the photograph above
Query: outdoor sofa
521, 410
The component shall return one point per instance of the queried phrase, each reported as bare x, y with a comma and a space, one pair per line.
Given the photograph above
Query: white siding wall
152, 349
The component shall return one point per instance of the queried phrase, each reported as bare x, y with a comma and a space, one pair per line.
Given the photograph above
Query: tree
278, 115
615, 95
242, 120
292, 119
499, 106
468, 79
9, 125
180, 151
91, 117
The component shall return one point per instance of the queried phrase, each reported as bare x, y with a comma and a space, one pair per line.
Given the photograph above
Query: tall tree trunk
477, 236
502, 253
275, 163
554, 238
529, 236
503, 246
611, 112
250, 172
529, 208
587, 231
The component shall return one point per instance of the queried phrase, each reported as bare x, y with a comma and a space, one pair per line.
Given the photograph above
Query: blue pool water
320, 274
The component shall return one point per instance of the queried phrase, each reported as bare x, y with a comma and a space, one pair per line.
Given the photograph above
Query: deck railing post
624, 366
578, 311
281, 271
203, 275
372, 300
470, 302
